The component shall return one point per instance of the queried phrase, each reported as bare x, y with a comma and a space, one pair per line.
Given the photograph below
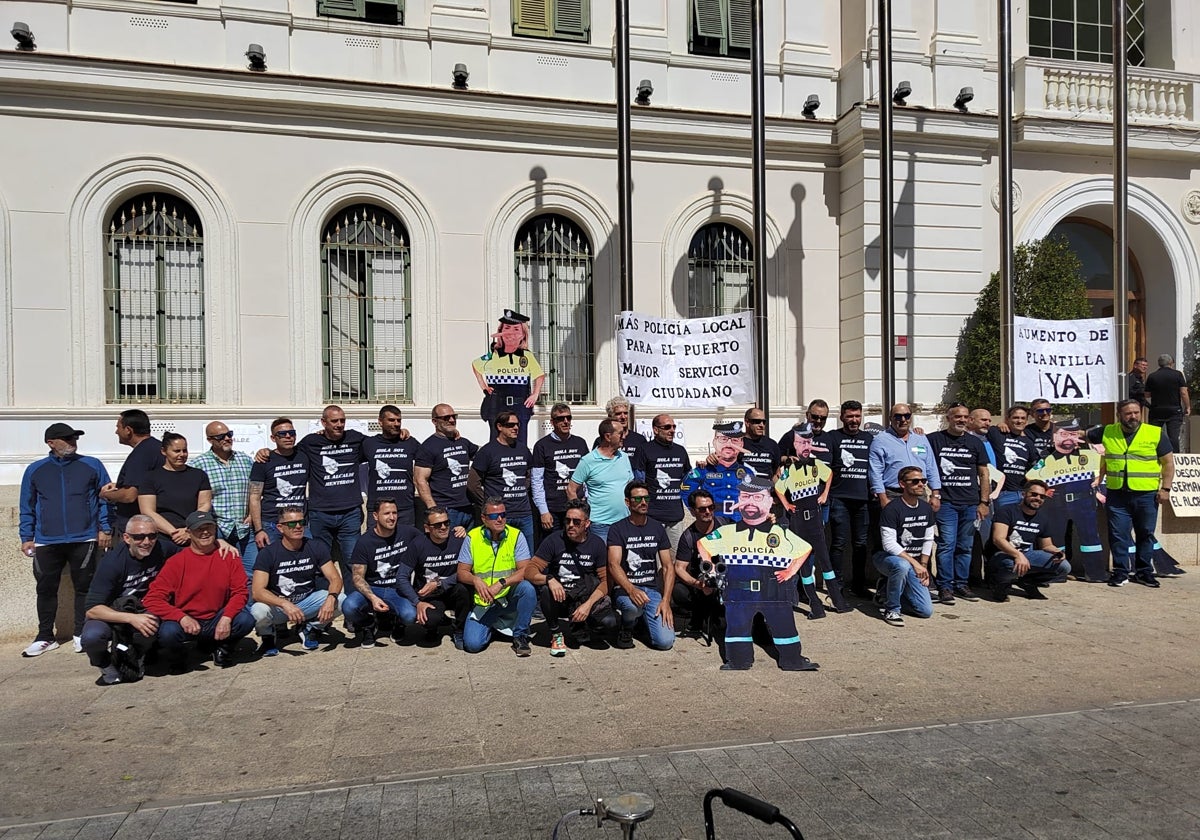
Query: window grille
154, 301
720, 271
1081, 30
366, 307
553, 271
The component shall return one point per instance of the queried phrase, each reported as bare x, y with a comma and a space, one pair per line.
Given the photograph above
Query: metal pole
758, 165
624, 168
1120, 195
1005, 99
887, 301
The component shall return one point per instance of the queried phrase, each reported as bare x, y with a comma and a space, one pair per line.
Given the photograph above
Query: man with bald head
442, 466
229, 474
662, 463
896, 447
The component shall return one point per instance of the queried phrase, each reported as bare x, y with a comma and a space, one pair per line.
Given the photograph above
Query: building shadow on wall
904, 279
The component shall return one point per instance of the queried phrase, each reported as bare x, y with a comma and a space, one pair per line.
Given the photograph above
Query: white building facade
182, 232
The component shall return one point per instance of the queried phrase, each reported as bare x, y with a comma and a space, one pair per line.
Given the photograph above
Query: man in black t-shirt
849, 496
428, 577
1025, 552
640, 567
695, 595
662, 463
555, 458
907, 528
758, 450
390, 457
500, 469
441, 467
1167, 392
1041, 426
375, 570
962, 464
280, 481
295, 582
114, 598
133, 430
570, 571
335, 515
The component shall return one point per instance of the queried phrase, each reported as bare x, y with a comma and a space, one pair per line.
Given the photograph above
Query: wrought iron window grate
720, 271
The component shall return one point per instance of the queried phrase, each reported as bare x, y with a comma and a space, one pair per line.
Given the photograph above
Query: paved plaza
405, 741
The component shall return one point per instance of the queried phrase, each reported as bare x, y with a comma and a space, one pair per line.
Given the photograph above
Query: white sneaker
38, 648
78, 643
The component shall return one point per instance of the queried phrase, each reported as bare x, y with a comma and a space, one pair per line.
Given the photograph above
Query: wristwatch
503, 581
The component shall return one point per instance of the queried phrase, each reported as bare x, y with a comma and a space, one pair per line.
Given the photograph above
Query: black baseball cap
60, 431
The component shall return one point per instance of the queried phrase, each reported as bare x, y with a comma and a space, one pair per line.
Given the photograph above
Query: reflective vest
1132, 466
492, 561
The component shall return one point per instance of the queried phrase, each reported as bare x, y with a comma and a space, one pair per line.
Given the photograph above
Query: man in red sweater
200, 595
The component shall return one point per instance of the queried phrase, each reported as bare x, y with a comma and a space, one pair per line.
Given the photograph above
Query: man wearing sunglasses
429, 577
555, 457
122, 579
441, 467
1040, 429
602, 475
849, 497
229, 476
907, 528
758, 450
662, 463
280, 481
493, 562
375, 572
1025, 551
962, 465
895, 448
501, 469
816, 418
295, 582
63, 522
640, 567
694, 596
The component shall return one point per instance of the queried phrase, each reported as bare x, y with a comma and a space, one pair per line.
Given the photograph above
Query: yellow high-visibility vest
1133, 465
492, 561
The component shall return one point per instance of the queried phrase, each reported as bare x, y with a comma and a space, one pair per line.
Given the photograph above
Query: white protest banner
1185, 489
1065, 361
686, 363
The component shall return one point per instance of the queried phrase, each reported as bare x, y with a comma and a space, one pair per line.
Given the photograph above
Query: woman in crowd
174, 490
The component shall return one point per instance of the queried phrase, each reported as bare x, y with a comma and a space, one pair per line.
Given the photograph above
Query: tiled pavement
1117, 772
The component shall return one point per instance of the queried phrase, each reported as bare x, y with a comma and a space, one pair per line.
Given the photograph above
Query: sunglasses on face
226, 436
560, 418
916, 481
449, 418
495, 516
757, 420
295, 523
1035, 495
817, 419
445, 523
704, 508
572, 521
508, 425
670, 427
285, 433
637, 500
140, 537
907, 416
1043, 411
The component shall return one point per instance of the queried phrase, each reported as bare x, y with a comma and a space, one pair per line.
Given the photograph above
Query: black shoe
1147, 580
269, 646
728, 667
520, 646
1000, 594
1117, 581
179, 666
624, 640
1033, 593
965, 593
398, 633
365, 637
223, 657
806, 664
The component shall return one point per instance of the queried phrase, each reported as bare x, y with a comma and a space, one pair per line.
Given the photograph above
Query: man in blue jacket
63, 522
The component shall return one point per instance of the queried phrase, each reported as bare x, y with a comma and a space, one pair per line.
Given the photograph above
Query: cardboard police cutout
759, 560
508, 373
723, 478
802, 488
1072, 474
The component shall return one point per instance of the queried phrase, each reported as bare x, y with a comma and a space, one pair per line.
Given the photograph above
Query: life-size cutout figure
802, 487
723, 473
1072, 475
759, 560
508, 373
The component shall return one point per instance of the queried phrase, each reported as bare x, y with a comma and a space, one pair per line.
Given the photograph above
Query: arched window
720, 271
366, 307
154, 297
553, 270
1092, 242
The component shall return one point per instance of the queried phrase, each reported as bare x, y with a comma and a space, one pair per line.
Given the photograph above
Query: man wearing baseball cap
62, 523
200, 595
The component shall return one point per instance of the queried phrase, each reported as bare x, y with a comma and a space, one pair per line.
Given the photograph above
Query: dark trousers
806, 524
458, 598
699, 608
172, 638
781, 623
850, 524
602, 619
1172, 424
49, 561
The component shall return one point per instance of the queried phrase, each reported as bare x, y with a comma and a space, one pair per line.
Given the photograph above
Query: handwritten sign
1185, 489
692, 362
1065, 361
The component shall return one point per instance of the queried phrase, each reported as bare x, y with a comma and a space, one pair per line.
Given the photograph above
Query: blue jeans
172, 638
460, 517
267, 616
359, 613
1043, 569
1007, 497
518, 610
601, 531
524, 524
247, 547
904, 588
1136, 512
956, 538
662, 637
341, 527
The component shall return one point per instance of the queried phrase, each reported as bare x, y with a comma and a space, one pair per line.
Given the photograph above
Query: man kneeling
493, 560
290, 580
1026, 554
200, 594
907, 527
